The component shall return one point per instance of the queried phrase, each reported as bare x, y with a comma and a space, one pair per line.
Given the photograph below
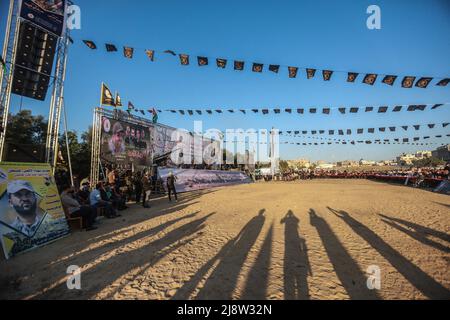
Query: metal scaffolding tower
58, 77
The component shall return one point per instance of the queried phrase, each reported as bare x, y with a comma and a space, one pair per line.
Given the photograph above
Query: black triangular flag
239, 65
202, 61
110, 47
443, 82
257, 67
221, 63
370, 79
90, 44
423, 82
389, 79
351, 77
327, 75
274, 68
408, 81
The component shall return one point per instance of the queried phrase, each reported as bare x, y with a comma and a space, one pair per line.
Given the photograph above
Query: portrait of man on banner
24, 214
116, 142
31, 213
125, 143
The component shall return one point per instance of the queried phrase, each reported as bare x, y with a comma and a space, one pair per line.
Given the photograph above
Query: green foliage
284, 166
24, 128
429, 162
80, 151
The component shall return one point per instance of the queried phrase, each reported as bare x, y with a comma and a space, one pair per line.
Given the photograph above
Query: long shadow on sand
85, 257
419, 233
419, 279
108, 231
258, 278
52, 260
160, 207
347, 270
122, 263
222, 281
296, 262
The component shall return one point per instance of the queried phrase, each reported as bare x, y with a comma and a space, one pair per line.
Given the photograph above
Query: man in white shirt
96, 201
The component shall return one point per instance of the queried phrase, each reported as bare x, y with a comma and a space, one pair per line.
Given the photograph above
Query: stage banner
166, 140
31, 213
191, 179
47, 14
124, 143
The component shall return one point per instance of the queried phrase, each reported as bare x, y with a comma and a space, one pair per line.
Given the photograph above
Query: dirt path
299, 240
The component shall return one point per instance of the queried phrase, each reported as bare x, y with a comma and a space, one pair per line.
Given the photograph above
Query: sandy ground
277, 240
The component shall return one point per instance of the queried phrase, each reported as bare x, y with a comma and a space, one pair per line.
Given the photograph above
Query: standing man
147, 188
138, 186
171, 186
112, 177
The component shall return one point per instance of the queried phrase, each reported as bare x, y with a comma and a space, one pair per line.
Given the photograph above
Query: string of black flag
407, 81
342, 132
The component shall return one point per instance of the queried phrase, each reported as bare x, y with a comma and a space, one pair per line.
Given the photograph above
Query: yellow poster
31, 213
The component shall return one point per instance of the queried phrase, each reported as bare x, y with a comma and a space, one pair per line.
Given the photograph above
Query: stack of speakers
34, 61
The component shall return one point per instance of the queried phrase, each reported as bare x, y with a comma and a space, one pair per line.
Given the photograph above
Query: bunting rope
108, 99
360, 130
310, 110
396, 141
369, 78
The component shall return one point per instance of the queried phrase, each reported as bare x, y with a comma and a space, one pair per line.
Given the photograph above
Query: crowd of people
120, 187
417, 177
111, 195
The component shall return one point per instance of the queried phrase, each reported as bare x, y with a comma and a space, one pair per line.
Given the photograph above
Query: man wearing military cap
116, 143
23, 199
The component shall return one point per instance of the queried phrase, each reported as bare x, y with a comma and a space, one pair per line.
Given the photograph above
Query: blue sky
323, 34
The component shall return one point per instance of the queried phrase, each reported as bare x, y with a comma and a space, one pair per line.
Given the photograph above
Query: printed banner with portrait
124, 143
47, 14
31, 213
191, 179
166, 140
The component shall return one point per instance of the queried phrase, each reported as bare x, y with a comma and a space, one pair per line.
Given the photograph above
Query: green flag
155, 116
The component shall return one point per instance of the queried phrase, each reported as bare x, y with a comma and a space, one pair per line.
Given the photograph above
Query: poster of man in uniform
125, 143
47, 14
31, 213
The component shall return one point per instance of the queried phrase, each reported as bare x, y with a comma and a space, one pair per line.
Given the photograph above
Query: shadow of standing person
347, 270
296, 262
418, 278
222, 281
258, 277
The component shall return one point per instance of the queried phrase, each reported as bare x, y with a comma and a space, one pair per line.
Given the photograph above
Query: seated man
110, 194
82, 196
76, 210
97, 201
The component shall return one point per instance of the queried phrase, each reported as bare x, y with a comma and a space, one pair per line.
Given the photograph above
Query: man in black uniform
171, 186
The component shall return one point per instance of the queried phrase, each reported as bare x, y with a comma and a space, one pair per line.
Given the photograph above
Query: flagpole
67, 144
101, 94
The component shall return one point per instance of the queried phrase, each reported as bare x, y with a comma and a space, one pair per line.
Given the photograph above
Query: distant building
299, 164
442, 153
325, 166
366, 163
423, 155
347, 163
406, 159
